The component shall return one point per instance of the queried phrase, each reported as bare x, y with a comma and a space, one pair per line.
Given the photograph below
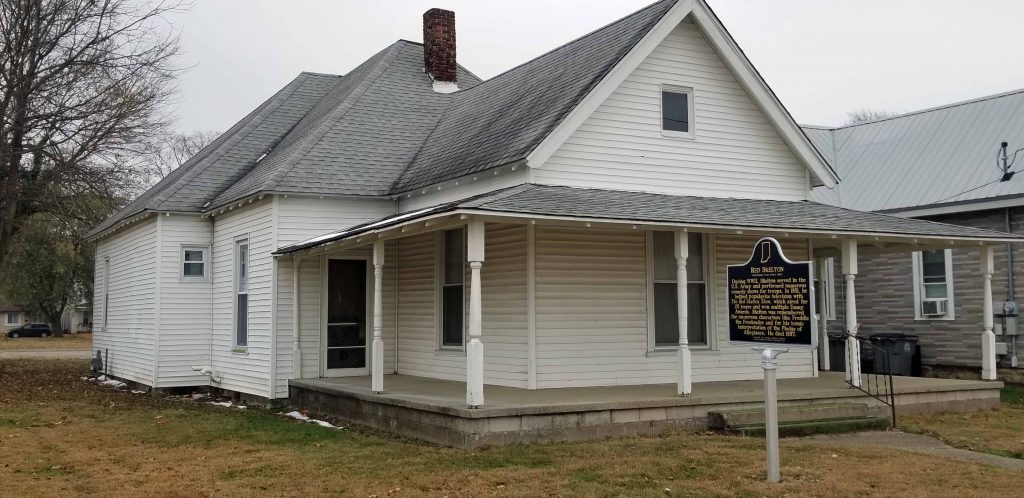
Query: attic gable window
676, 111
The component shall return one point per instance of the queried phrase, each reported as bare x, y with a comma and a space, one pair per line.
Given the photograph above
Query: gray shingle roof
616, 205
195, 183
926, 158
382, 130
503, 119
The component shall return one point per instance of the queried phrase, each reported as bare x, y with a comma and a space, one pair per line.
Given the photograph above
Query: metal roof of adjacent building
707, 212
934, 157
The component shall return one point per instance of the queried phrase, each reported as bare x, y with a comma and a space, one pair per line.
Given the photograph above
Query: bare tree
864, 115
167, 151
81, 82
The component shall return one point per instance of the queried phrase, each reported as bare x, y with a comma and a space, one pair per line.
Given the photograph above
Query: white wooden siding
302, 218
504, 309
462, 188
591, 312
247, 372
735, 153
127, 335
185, 304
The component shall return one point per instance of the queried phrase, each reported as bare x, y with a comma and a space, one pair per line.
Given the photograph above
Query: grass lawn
1000, 432
78, 341
61, 436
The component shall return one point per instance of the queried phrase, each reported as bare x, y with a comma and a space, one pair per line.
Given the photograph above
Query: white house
564, 224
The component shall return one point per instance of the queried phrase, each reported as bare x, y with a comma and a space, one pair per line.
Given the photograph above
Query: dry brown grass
993, 431
78, 341
60, 436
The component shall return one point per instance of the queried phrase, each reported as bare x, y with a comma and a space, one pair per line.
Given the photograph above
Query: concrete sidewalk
59, 354
915, 443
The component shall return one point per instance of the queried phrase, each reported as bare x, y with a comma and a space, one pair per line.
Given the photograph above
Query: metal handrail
883, 391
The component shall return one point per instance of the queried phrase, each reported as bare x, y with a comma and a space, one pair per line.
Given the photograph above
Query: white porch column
296, 346
377, 347
824, 361
683, 359
988, 339
852, 346
475, 348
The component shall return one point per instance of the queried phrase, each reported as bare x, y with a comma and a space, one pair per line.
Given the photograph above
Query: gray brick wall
885, 293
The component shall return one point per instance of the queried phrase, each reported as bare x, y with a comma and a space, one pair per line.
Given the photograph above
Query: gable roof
381, 130
219, 165
939, 157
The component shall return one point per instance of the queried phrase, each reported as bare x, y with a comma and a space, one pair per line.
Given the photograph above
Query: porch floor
435, 410
449, 397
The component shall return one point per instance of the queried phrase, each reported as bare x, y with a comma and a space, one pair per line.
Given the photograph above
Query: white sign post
770, 303
771, 410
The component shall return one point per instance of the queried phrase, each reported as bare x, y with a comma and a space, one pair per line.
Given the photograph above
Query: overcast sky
822, 57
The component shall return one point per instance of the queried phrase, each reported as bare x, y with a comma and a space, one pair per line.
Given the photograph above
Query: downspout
1009, 261
1010, 294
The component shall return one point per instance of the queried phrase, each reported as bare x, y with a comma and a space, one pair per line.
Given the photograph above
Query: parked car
31, 330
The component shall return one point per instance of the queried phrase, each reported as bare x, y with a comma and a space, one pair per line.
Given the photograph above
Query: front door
346, 326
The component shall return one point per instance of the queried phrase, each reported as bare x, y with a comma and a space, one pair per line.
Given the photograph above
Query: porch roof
702, 213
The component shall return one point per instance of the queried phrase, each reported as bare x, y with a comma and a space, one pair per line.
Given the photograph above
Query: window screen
665, 299
675, 111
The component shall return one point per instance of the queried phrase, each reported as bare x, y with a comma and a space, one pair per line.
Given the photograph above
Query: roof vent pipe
439, 49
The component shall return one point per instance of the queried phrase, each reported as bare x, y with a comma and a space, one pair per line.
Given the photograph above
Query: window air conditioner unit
934, 307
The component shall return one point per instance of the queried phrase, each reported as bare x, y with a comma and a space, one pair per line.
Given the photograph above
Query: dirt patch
60, 435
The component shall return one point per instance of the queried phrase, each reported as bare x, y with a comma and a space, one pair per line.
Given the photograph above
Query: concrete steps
802, 420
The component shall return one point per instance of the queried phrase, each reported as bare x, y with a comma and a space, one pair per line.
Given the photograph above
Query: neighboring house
13, 316
566, 223
938, 164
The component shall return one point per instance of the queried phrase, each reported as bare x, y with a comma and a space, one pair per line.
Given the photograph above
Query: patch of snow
225, 404
116, 384
297, 416
199, 395
321, 423
138, 392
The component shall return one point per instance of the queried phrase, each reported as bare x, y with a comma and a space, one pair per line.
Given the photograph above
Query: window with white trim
826, 286
106, 292
933, 285
193, 262
452, 288
241, 293
13, 318
664, 294
677, 111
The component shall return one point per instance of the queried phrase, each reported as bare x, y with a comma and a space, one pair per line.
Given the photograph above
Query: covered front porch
563, 290
435, 410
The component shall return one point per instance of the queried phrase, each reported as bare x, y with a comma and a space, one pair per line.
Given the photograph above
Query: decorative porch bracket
474, 347
852, 347
377, 347
683, 358
988, 338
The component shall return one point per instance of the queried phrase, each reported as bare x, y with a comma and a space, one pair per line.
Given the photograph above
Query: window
193, 262
106, 291
677, 111
12, 318
825, 284
242, 293
933, 285
452, 283
664, 295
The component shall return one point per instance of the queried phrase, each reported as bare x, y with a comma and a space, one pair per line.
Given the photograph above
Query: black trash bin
837, 352
900, 349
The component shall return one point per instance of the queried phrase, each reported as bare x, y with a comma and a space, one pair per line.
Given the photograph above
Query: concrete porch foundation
435, 410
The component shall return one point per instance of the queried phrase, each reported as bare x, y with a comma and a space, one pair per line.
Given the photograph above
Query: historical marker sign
770, 299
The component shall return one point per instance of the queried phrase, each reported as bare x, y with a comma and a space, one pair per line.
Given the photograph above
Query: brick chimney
439, 49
